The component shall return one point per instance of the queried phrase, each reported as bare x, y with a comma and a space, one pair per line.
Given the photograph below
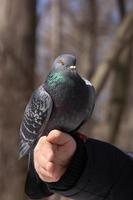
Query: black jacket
98, 171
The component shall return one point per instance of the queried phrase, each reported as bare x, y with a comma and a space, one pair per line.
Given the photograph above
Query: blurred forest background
32, 34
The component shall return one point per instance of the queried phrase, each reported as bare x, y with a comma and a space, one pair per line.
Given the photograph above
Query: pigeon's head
65, 61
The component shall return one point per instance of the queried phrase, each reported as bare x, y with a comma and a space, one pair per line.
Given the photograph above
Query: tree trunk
122, 40
120, 92
122, 8
93, 36
17, 34
56, 27
88, 39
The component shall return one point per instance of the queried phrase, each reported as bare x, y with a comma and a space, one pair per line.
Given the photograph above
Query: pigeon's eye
61, 62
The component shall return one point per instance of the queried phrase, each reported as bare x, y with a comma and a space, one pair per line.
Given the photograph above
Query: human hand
53, 154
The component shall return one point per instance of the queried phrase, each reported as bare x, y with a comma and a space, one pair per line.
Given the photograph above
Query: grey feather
36, 116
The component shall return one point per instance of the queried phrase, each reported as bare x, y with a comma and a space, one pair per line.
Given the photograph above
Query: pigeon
64, 101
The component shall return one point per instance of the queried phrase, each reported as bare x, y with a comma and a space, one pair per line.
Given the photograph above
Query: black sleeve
98, 171
107, 174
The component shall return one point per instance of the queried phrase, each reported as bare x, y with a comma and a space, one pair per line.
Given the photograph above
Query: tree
88, 44
17, 34
120, 91
56, 27
121, 41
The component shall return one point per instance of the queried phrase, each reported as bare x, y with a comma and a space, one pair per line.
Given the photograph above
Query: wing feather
36, 116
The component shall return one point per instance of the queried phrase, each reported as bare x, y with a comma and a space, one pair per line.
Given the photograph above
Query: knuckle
40, 144
50, 167
55, 132
42, 171
42, 139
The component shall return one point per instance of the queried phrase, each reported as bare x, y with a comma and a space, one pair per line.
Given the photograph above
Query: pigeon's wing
36, 116
91, 92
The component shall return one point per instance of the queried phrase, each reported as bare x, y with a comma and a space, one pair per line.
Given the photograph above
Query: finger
40, 142
47, 176
50, 167
43, 172
44, 150
44, 162
58, 137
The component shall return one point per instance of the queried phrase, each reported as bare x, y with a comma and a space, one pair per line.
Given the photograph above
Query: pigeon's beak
72, 67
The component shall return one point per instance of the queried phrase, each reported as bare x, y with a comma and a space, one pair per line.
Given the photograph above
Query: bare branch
122, 39
120, 91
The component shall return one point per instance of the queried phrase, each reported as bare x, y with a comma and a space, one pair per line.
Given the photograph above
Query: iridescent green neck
55, 78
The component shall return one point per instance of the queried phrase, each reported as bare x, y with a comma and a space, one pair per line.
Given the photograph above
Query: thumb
57, 137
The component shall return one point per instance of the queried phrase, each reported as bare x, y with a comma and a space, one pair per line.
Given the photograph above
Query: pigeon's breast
70, 99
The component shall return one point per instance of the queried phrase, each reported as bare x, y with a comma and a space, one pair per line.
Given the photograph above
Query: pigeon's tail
23, 149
